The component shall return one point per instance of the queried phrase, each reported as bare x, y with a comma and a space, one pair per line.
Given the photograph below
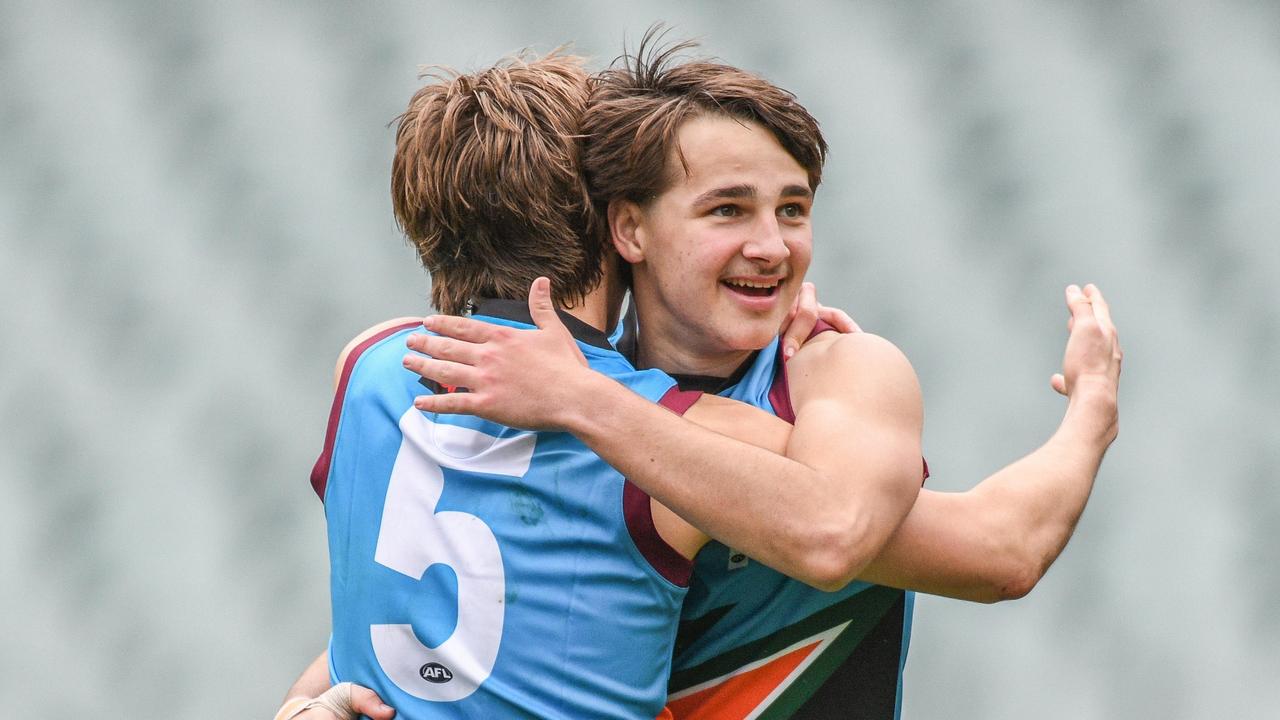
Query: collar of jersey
518, 311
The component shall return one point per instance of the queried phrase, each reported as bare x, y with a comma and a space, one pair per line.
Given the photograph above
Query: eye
792, 210
725, 211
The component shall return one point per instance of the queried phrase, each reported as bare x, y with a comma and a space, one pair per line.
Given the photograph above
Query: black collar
518, 311
713, 384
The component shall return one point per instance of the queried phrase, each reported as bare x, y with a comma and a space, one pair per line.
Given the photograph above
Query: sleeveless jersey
479, 571
753, 643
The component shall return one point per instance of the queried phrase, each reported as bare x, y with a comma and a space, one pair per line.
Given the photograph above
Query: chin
751, 335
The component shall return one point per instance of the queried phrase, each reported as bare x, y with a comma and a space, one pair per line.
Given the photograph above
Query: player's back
480, 571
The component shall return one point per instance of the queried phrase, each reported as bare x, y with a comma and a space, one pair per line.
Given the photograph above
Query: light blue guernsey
754, 643
480, 571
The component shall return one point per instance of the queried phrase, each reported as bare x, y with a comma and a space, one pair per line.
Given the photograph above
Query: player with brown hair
715, 244
406, 492
717, 235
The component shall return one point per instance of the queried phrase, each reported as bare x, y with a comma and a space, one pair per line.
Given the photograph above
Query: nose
766, 244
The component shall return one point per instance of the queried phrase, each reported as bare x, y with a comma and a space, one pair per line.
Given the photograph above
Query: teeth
751, 284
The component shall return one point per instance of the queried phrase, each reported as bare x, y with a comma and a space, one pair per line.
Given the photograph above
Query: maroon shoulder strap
679, 401
320, 471
820, 327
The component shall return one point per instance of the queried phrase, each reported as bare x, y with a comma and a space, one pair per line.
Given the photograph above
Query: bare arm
819, 515
313, 681
995, 541
992, 542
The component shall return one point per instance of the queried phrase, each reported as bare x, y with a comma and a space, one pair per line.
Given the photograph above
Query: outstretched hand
804, 316
1093, 355
514, 377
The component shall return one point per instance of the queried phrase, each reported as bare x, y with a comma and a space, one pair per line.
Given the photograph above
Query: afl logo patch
434, 672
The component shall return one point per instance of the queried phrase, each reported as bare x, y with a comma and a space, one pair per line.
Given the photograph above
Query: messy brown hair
487, 185
638, 105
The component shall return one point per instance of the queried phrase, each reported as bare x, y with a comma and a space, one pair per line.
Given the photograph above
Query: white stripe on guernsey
823, 639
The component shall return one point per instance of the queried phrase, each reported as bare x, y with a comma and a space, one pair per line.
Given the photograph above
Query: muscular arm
818, 515
997, 540
824, 498
991, 543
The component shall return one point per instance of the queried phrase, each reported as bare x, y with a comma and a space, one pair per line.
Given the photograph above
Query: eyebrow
732, 192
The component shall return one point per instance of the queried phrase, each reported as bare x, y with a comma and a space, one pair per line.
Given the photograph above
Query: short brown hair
637, 107
487, 183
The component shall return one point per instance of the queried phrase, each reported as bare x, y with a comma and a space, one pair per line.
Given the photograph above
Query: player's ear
626, 226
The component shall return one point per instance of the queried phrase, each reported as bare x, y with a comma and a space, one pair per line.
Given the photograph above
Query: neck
674, 358
662, 344
600, 307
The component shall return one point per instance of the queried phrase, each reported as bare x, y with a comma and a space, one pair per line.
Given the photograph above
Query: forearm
995, 541
781, 512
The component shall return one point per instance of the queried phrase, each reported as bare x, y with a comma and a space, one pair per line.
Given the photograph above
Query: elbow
1016, 586
836, 556
827, 577
1018, 575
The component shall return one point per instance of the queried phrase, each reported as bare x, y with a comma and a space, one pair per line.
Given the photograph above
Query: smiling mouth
753, 288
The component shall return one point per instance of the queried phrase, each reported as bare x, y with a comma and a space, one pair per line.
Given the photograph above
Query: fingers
1101, 310
803, 318
445, 348
1058, 383
448, 403
366, 702
838, 319
459, 328
444, 372
1078, 303
541, 309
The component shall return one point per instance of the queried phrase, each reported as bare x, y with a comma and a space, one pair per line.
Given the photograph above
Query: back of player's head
638, 105
487, 185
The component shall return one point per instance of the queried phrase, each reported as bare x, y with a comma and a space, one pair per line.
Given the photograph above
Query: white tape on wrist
336, 700
291, 707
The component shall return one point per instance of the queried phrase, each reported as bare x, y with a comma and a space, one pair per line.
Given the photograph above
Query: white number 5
413, 537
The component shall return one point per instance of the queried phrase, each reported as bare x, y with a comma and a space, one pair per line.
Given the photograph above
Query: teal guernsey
754, 643
480, 571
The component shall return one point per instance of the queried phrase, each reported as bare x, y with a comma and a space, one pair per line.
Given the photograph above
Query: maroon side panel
780, 392
638, 511
320, 471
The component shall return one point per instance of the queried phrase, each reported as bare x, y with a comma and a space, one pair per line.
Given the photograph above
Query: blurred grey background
194, 219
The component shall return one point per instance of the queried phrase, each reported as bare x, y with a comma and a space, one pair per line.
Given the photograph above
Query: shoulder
849, 349
861, 362
366, 339
742, 422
